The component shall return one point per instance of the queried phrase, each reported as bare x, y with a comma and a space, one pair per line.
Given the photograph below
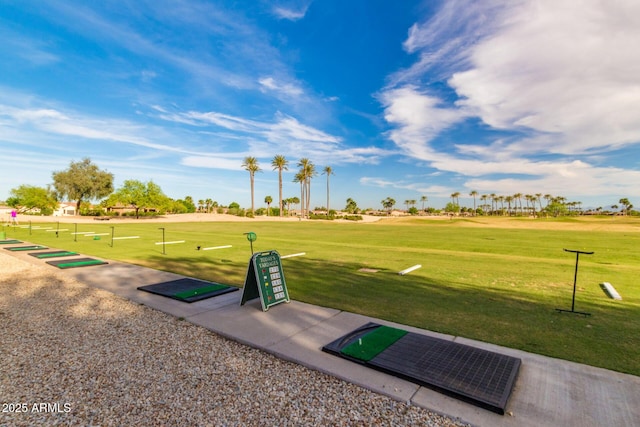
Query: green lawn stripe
199, 291
80, 263
373, 343
57, 254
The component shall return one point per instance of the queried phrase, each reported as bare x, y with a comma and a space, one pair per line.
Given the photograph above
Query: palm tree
208, 204
518, 197
474, 194
251, 164
539, 198
268, 201
307, 171
299, 177
493, 200
509, 199
406, 203
423, 199
327, 171
484, 198
281, 163
200, 205
294, 200
455, 198
388, 204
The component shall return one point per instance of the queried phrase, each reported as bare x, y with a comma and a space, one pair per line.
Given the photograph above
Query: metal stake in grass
163, 243
112, 231
575, 279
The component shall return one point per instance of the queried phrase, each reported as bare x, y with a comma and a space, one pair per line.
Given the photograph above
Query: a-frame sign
265, 280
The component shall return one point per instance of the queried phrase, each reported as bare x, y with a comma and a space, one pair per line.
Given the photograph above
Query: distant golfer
14, 217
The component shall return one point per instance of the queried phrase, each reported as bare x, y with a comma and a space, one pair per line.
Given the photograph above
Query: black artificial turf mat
481, 377
188, 289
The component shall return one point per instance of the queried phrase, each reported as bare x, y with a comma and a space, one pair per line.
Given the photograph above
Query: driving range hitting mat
188, 290
476, 376
53, 254
26, 248
76, 262
9, 242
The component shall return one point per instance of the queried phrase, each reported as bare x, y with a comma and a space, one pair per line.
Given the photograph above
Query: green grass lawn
493, 281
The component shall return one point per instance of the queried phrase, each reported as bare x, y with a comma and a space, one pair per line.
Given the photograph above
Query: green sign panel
265, 280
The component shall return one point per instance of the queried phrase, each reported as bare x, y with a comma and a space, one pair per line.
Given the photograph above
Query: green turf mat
199, 291
9, 242
370, 345
80, 263
53, 254
26, 248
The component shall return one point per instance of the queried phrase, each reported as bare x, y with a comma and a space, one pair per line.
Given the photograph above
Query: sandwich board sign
265, 280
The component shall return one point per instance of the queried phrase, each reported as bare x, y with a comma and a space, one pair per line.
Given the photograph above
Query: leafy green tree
251, 164
626, 205
281, 163
352, 206
82, 181
140, 195
452, 207
27, 197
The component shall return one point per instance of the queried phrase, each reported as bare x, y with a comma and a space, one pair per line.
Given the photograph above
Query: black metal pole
575, 280
163, 246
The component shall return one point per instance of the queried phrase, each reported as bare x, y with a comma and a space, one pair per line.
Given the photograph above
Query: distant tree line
83, 181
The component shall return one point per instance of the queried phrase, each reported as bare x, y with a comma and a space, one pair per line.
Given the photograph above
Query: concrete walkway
548, 392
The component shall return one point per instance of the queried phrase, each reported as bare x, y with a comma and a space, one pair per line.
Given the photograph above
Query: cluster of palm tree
306, 172
514, 202
206, 205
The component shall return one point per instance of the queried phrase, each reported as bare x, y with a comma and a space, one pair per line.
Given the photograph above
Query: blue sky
400, 98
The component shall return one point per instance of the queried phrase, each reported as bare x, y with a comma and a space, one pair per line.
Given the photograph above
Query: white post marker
292, 255
97, 234
409, 270
610, 290
126, 237
170, 243
216, 247
62, 229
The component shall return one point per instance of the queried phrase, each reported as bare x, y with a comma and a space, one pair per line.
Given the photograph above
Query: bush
320, 216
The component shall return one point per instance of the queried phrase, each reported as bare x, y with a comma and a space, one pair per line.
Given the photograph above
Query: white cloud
559, 79
418, 117
292, 12
556, 68
418, 187
213, 162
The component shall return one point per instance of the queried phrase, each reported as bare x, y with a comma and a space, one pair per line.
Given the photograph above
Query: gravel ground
80, 356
